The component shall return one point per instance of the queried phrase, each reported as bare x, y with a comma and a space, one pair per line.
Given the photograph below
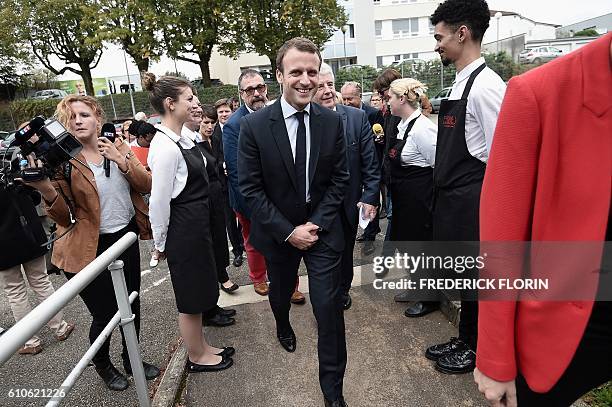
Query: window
351, 30
405, 27
397, 57
379, 62
431, 26
378, 29
376, 2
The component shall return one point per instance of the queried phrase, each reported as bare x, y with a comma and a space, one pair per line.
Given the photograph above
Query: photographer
22, 239
105, 209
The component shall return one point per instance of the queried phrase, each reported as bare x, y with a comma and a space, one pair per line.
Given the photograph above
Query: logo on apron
449, 121
392, 153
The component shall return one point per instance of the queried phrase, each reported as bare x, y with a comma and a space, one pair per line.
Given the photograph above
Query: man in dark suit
363, 168
292, 172
351, 96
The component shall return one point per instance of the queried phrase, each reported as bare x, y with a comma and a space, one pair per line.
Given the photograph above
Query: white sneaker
154, 261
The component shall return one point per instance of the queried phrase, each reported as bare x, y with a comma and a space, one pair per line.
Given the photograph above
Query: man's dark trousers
324, 275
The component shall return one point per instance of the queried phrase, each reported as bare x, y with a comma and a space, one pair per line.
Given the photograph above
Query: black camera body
54, 145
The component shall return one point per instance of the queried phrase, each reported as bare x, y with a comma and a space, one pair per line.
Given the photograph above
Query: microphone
27, 131
379, 133
108, 131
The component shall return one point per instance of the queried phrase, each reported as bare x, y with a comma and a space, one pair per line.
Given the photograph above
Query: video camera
53, 145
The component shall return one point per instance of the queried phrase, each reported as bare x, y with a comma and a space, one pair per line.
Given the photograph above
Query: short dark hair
222, 102
140, 128
299, 43
247, 72
474, 14
210, 112
383, 82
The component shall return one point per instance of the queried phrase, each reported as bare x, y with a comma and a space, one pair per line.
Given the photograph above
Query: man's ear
464, 33
279, 76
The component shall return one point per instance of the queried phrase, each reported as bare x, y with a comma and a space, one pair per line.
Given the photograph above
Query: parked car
437, 100
213, 82
539, 55
50, 94
154, 119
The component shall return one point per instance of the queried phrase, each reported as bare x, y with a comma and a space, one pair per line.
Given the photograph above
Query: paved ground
385, 348
386, 366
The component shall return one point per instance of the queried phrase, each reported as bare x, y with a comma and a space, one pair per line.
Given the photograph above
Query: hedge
26, 109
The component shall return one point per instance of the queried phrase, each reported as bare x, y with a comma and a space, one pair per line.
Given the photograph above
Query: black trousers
346, 265
217, 230
323, 265
590, 367
234, 230
99, 295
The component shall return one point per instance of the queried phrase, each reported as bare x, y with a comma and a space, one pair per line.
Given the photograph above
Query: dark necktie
300, 156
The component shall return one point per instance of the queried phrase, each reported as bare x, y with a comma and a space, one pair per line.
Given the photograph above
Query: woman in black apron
182, 233
411, 158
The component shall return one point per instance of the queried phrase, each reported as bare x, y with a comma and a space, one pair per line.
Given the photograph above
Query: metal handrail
28, 326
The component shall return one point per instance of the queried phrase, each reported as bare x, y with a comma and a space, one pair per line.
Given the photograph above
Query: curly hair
63, 111
474, 14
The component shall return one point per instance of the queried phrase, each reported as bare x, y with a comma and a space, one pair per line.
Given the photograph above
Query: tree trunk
205, 69
272, 59
142, 64
86, 75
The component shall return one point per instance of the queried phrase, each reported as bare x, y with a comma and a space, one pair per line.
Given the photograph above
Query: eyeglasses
251, 91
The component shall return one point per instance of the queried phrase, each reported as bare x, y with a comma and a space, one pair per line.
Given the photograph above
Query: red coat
548, 179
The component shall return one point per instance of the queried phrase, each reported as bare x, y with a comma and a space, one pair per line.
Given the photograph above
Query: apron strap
470, 82
410, 125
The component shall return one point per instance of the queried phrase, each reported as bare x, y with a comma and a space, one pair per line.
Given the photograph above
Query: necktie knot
299, 116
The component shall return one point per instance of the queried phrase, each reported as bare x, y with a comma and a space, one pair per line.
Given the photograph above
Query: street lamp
344, 29
498, 16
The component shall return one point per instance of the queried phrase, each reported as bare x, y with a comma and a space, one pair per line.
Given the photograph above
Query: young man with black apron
466, 123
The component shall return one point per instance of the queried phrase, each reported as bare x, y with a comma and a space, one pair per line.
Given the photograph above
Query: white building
511, 24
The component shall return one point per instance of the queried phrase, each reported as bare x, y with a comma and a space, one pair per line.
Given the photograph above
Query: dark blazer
374, 115
217, 148
231, 131
362, 161
266, 176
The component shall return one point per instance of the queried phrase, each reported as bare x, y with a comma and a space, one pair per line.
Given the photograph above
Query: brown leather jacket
79, 199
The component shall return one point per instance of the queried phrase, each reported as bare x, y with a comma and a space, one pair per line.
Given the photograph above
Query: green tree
262, 26
14, 52
132, 24
588, 32
191, 28
67, 30
364, 75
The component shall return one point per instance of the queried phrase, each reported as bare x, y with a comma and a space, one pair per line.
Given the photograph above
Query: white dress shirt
484, 102
420, 147
169, 177
291, 122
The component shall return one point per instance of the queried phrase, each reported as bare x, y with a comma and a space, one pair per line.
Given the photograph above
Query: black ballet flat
227, 352
195, 368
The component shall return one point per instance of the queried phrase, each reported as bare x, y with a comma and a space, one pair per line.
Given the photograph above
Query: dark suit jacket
362, 162
217, 149
374, 115
231, 131
267, 180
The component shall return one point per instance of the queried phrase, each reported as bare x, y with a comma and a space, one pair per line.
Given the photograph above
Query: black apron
412, 189
457, 175
189, 245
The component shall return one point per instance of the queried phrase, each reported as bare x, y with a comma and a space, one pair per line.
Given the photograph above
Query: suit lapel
315, 140
84, 170
279, 132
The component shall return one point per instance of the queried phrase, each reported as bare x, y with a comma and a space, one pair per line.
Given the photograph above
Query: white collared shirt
291, 123
420, 147
169, 177
484, 103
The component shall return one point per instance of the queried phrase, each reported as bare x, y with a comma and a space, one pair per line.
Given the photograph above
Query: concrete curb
170, 384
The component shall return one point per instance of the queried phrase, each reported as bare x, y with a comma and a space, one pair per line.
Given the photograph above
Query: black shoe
338, 403
226, 312
287, 340
150, 371
346, 302
368, 248
195, 368
421, 308
227, 352
435, 352
360, 238
113, 379
231, 289
218, 320
463, 361
238, 260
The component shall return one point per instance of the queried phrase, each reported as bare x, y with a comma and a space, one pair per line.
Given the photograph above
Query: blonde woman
105, 209
411, 157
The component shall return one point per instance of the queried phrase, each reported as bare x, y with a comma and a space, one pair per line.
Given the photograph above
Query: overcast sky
562, 12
